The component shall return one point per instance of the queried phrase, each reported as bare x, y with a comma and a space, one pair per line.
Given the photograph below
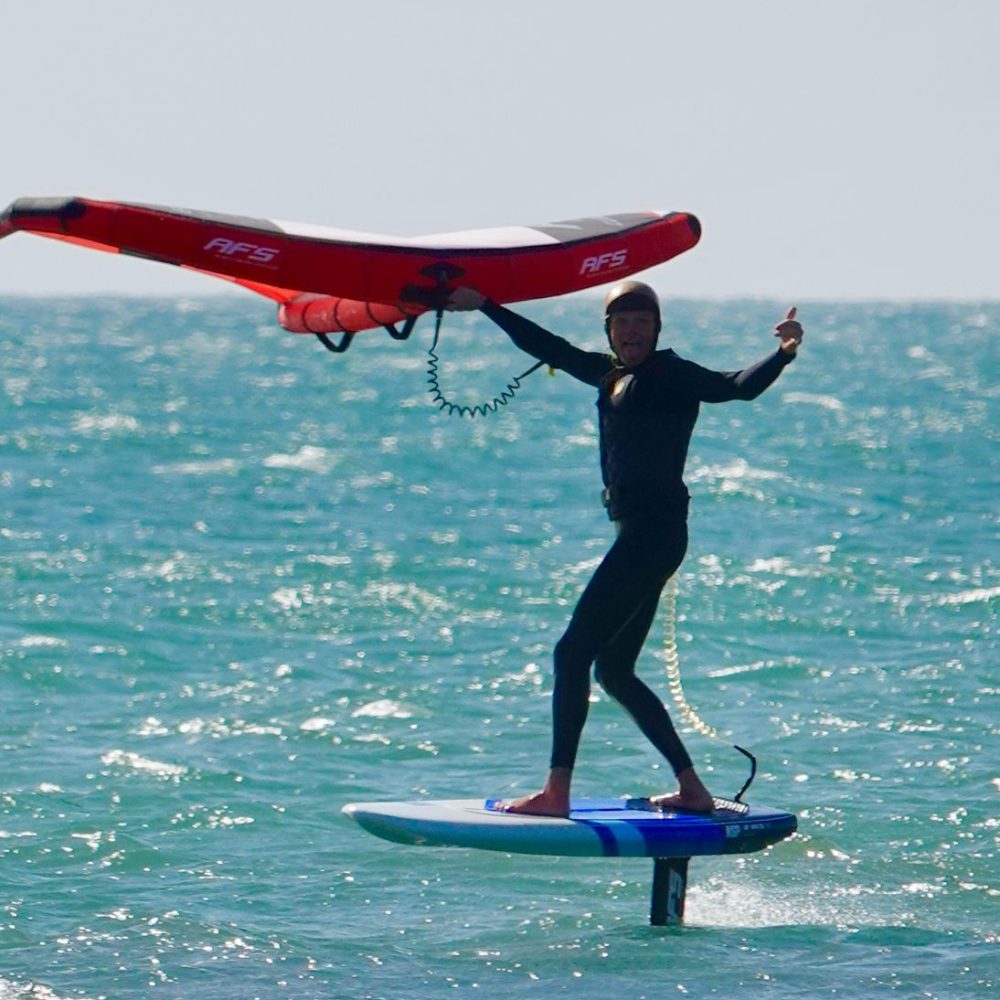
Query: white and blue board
624, 828
596, 828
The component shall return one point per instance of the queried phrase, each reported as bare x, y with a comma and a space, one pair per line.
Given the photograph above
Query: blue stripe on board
609, 842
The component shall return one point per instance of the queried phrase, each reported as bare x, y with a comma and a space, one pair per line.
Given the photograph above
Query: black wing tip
695, 224
35, 208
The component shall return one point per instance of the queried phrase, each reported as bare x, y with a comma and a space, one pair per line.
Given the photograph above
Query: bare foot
682, 803
542, 803
552, 800
692, 795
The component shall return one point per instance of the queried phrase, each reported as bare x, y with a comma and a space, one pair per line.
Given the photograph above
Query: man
648, 402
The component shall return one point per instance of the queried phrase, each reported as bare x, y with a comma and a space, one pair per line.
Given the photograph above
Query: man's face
633, 335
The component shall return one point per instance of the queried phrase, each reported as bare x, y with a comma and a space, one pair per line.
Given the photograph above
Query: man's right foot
685, 803
691, 795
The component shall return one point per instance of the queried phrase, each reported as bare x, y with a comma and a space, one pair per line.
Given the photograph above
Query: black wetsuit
646, 417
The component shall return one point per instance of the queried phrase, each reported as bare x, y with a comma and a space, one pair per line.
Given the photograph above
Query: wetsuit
646, 417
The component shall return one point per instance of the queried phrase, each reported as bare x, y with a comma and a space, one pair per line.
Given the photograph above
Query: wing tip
20, 213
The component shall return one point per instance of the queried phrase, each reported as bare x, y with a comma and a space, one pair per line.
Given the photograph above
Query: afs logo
610, 261
249, 252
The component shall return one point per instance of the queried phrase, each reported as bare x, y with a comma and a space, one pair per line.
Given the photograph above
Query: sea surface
245, 581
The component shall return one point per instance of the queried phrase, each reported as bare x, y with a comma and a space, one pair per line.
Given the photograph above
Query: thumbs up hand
790, 331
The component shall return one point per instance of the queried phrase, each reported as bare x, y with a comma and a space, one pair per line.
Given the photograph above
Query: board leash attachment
458, 409
676, 689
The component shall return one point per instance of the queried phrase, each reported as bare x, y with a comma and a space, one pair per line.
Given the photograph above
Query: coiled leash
676, 690
457, 409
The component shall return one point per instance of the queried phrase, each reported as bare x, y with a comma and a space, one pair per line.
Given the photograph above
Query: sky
833, 149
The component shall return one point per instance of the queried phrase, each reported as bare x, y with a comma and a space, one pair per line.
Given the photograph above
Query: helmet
631, 295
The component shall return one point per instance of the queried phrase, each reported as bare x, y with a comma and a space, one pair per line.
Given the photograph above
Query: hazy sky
831, 148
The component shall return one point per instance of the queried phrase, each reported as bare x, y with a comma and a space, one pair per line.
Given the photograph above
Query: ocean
245, 582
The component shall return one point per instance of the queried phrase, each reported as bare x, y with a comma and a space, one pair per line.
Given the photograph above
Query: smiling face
633, 335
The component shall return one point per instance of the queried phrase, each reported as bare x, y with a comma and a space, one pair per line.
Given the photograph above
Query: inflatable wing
330, 280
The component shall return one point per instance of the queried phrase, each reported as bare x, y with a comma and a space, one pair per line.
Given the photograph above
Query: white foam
307, 459
384, 708
816, 399
135, 762
110, 423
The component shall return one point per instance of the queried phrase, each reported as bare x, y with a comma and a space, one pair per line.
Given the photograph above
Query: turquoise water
245, 582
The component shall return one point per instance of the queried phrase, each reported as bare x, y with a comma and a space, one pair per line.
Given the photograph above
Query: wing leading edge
331, 280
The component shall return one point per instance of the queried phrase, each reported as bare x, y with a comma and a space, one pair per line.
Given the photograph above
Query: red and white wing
329, 280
